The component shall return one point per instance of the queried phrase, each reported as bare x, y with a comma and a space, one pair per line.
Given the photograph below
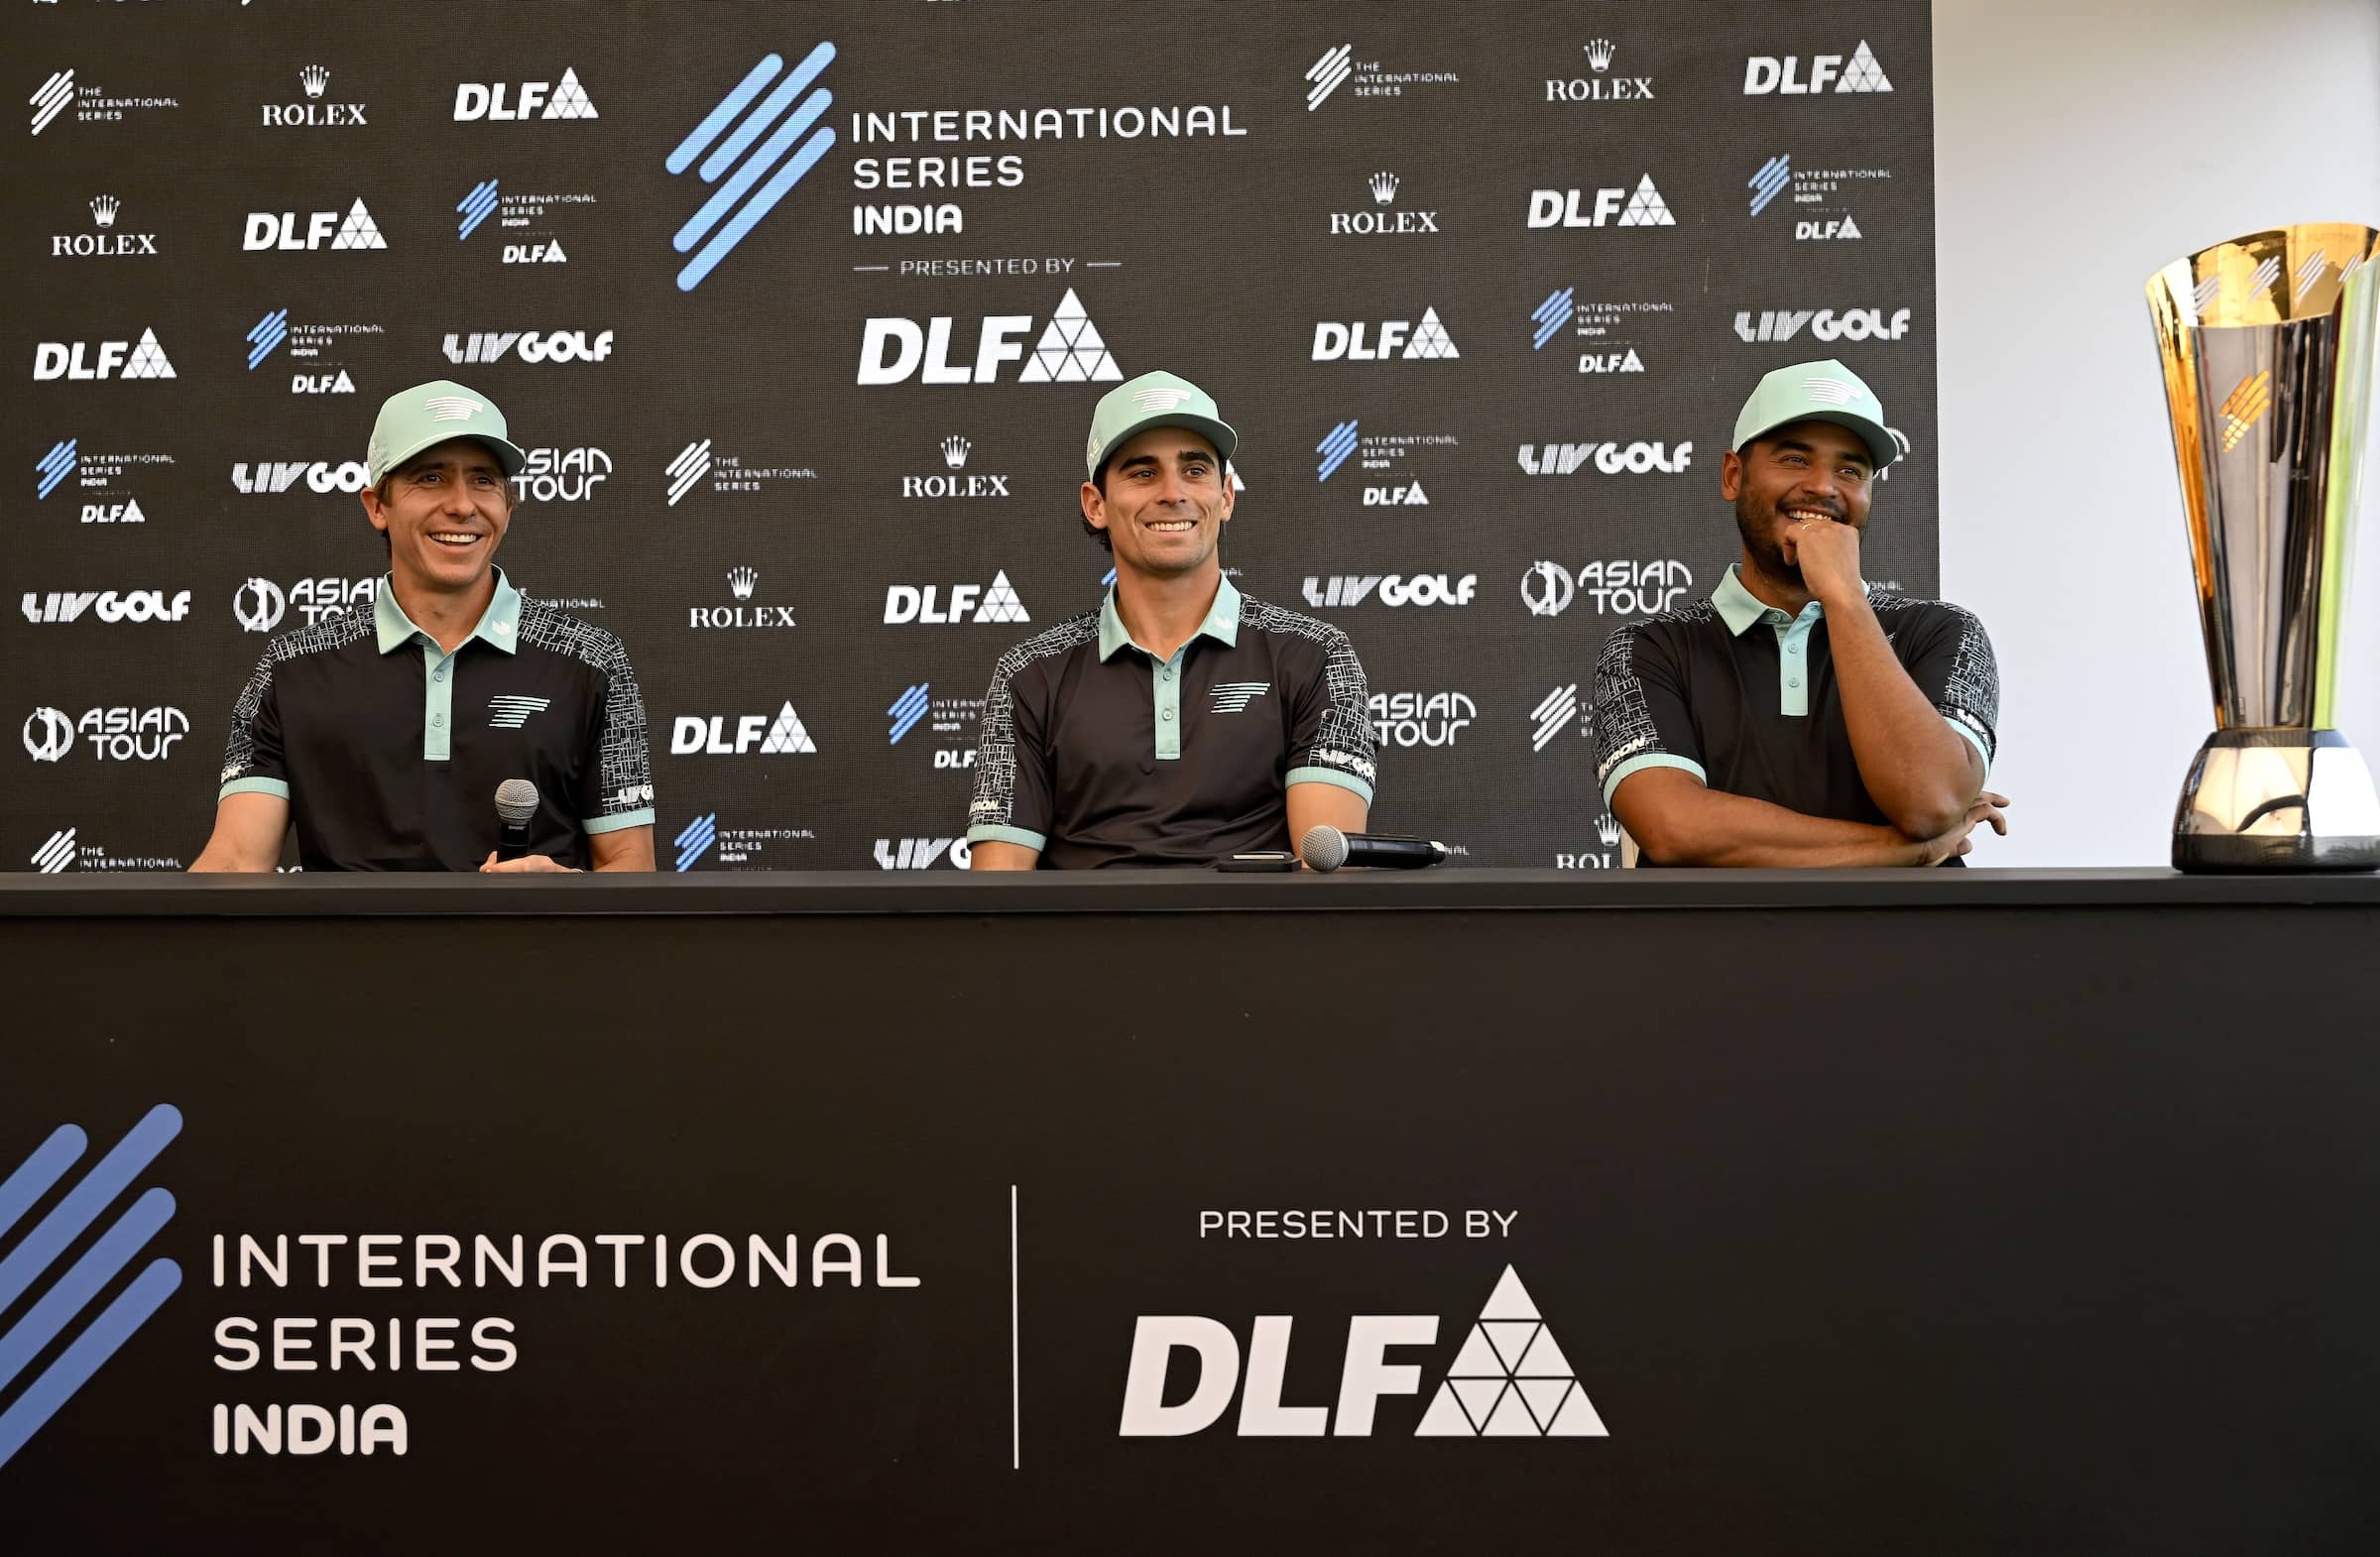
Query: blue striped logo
53, 468
723, 219
696, 840
906, 710
476, 207
1550, 314
1334, 448
54, 1313
266, 336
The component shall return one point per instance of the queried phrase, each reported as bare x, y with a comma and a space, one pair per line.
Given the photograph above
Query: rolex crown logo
1384, 187
742, 580
955, 450
2246, 406
1606, 828
103, 210
1599, 54
313, 79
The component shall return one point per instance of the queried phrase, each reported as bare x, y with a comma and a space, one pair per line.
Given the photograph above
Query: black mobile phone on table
1258, 860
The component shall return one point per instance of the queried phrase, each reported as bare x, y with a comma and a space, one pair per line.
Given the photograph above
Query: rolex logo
1599, 54
955, 450
313, 79
1384, 187
1606, 828
2246, 406
103, 210
742, 580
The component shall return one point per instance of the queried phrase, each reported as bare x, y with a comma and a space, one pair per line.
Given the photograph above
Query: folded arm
1677, 820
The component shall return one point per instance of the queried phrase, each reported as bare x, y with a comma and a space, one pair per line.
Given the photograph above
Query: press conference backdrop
801, 312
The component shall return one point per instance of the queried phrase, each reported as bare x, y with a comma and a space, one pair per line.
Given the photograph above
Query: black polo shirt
1743, 696
1096, 751
389, 748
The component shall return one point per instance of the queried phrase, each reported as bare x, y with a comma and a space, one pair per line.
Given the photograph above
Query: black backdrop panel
2068, 1259
1178, 169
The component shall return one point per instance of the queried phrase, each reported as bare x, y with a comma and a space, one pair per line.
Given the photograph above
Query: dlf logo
1510, 1380
1766, 73
1069, 350
563, 99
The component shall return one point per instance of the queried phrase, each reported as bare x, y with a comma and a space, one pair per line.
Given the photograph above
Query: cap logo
1160, 399
452, 408
1833, 392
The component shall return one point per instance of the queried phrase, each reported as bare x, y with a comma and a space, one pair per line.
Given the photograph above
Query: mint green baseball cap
412, 419
1825, 391
1155, 400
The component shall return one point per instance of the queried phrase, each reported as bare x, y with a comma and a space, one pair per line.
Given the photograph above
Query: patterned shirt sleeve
1330, 736
1954, 666
252, 759
1011, 765
617, 791
1640, 714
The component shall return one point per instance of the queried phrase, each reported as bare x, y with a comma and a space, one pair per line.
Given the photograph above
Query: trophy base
2277, 799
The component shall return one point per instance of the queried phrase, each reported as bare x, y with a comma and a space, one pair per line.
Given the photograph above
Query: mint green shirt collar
1740, 608
495, 628
1222, 623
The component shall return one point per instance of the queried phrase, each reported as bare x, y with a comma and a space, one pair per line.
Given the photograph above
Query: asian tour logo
1509, 1379
60, 1308
756, 178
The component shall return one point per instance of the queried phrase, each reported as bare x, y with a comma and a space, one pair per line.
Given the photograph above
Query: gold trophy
2268, 348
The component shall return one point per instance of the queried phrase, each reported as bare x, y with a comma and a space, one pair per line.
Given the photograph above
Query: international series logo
68, 1301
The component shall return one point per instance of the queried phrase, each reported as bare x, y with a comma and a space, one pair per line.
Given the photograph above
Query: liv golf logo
1510, 1380
32, 1260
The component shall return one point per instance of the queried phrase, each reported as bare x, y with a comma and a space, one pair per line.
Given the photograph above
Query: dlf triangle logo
1510, 1380
787, 737
1070, 350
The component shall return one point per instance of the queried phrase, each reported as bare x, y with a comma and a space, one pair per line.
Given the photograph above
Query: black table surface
101, 896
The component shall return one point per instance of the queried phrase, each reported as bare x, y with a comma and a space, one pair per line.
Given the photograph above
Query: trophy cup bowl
2268, 345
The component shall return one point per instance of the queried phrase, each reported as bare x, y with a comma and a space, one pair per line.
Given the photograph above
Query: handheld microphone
516, 803
1326, 848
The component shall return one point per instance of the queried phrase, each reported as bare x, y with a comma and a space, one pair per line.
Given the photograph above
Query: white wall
2070, 166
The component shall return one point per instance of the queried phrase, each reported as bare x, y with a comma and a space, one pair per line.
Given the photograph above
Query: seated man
1181, 721
383, 736
1798, 718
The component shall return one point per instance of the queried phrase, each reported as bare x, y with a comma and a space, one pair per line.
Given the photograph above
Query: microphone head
516, 801
1324, 848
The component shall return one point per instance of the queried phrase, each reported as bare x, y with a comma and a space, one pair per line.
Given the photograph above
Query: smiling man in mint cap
1181, 721
381, 736
1798, 718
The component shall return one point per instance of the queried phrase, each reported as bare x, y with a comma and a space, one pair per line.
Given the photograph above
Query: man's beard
1767, 555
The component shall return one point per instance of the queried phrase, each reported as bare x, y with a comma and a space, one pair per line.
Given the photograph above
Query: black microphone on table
1325, 848
516, 803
